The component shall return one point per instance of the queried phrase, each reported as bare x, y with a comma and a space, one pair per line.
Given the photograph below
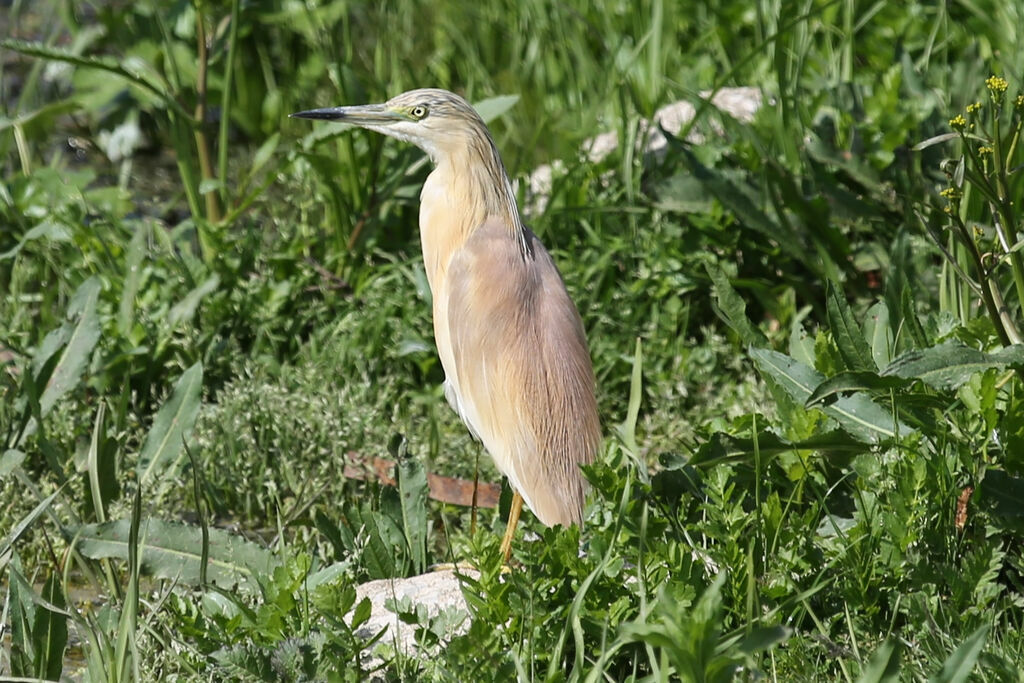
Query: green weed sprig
983, 182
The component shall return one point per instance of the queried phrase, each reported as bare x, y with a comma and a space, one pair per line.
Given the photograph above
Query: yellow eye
419, 112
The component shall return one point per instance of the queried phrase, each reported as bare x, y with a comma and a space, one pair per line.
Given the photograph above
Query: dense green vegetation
806, 331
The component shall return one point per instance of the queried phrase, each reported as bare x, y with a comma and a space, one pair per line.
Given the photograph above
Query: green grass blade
27, 521
959, 665
50, 631
22, 616
128, 623
884, 665
132, 277
627, 430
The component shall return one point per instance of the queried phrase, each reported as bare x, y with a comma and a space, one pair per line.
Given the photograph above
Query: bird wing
523, 381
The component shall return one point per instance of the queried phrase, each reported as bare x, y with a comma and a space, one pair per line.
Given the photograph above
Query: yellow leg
510, 530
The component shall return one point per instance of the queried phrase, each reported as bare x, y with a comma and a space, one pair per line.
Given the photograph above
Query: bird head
436, 121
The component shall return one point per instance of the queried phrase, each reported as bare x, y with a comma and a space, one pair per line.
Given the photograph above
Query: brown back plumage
510, 340
522, 369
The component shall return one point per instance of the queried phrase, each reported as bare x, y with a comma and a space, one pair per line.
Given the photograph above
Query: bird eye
419, 112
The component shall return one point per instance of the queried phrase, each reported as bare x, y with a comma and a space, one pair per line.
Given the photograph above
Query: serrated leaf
411, 478
78, 349
171, 550
858, 415
731, 308
847, 333
950, 365
850, 382
172, 425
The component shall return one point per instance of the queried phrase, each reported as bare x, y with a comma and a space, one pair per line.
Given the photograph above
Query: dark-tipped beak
362, 115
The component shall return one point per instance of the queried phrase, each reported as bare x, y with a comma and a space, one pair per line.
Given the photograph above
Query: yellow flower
996, 84
958, 122
985, 149
1019, 103
971, 108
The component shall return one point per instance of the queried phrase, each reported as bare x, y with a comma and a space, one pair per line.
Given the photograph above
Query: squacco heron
514, 353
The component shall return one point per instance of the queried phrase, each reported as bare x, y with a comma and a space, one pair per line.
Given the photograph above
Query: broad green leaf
172, 550
11, 459
731, 308
1002, 493
878, 331
78, 349
493, 107
362, 613
847, 333
173, 424
848, 382
411, 479
959, 665
858, 415
801, 344
884, 665
950, 365
327, 575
